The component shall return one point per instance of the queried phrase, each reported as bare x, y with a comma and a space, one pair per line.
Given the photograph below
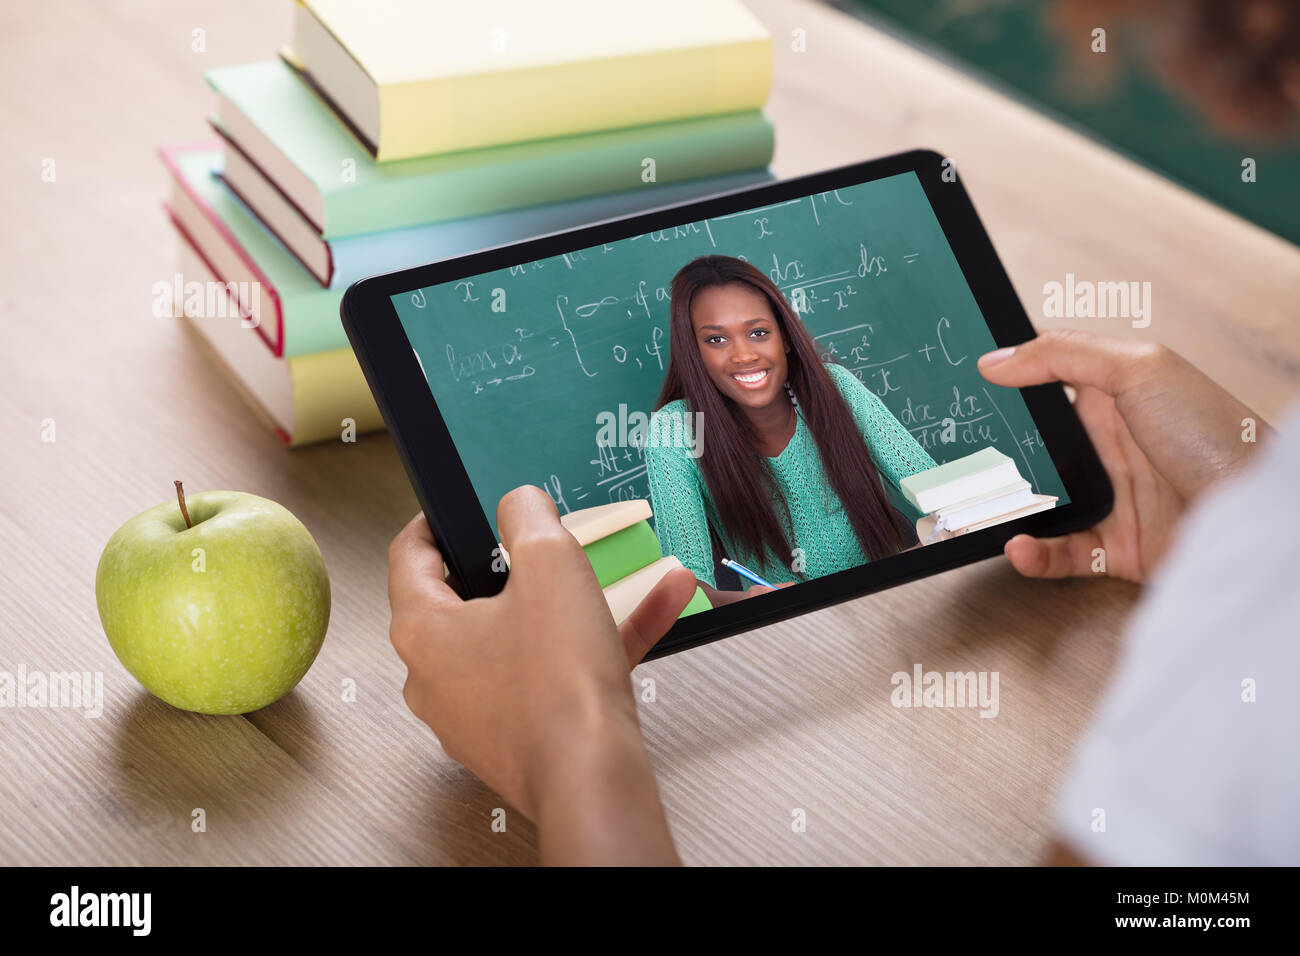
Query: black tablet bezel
452, 507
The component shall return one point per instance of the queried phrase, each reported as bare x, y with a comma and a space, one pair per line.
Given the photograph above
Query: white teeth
751, 378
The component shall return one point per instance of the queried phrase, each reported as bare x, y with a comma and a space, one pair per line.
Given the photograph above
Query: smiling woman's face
741, 343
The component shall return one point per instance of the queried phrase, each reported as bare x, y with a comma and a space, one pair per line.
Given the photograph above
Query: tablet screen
791, 388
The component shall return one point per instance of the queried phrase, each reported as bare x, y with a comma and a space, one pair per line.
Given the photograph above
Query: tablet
785, 374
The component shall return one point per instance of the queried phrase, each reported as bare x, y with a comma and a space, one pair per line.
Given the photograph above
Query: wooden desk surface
744, 731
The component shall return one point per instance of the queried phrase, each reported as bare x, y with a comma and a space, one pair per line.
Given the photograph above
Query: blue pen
744, 572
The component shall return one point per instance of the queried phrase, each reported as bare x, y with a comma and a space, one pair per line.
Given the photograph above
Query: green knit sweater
684, 510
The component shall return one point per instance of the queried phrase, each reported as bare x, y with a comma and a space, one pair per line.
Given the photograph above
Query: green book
958, 480
619, 554
625, 554
269, 113
699, 602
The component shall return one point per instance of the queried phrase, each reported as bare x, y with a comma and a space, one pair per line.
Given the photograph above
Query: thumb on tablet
656, 613
539, 546
1067, 355
1063, 557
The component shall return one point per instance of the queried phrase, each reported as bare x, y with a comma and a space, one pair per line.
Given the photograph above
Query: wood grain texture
741, 733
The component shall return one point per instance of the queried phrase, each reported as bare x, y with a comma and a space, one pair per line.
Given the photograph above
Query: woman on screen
787, 481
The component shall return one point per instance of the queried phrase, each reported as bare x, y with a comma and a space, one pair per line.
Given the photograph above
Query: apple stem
180, 496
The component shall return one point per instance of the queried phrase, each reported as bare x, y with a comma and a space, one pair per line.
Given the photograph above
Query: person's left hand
514, 684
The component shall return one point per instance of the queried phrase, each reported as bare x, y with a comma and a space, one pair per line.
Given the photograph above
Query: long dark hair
738, 477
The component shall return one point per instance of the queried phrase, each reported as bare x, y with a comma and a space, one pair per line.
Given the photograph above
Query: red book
293, 314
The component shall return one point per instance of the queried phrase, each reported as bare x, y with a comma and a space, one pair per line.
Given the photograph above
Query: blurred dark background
1189, 88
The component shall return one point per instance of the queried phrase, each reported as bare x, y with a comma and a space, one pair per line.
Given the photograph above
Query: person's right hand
1162, 429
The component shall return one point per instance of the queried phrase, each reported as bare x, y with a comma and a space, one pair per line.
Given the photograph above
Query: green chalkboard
522, 388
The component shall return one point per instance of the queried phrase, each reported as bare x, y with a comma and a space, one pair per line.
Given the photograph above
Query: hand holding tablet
465, 659
546, 752
528, 687
1164, 430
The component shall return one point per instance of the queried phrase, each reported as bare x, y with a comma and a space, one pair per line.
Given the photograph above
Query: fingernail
993, 358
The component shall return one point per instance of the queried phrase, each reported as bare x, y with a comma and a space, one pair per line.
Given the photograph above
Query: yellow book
415, 78
303, 399
926, 531
589, 525
625, 594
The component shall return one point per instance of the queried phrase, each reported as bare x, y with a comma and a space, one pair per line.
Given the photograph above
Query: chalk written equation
616, 474
947, 418
605, 325
528, 357
505, 361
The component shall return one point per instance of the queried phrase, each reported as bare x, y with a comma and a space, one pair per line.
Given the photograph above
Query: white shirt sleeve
1186, 767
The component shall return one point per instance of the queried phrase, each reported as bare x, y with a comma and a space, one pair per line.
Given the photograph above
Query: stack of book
398, 132
625, 554
969, 493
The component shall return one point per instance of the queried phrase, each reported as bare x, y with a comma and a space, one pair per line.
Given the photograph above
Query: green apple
217, 603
